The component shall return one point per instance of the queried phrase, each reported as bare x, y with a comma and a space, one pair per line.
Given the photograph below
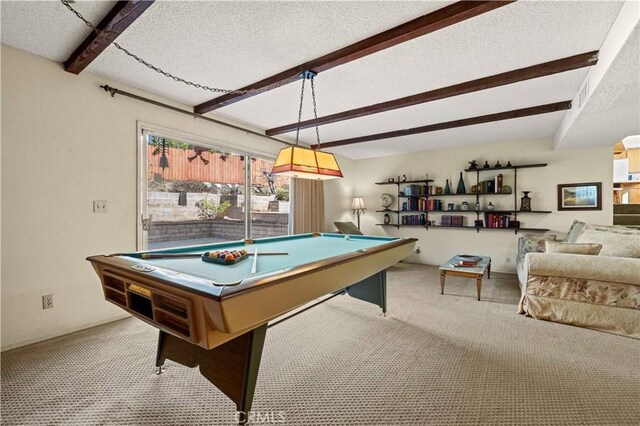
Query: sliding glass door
196, 193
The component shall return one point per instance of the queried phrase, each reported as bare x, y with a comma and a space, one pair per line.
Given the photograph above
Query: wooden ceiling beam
535, 71
123, 14
506, 115
425, 24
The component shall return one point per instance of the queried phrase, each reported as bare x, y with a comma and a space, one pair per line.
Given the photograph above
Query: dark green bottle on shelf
447, 188
461, 188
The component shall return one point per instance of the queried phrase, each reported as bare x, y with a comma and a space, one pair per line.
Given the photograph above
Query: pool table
215, 316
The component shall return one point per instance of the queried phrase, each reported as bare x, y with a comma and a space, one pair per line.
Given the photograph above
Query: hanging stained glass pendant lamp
306, 163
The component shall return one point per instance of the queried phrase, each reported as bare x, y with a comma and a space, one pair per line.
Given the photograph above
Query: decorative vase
525, 202
461, 189
447, 188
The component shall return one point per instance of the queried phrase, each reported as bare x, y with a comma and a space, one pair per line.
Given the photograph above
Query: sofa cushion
572, 248
615, 241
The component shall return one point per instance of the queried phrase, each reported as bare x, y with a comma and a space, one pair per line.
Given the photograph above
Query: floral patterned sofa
598, 288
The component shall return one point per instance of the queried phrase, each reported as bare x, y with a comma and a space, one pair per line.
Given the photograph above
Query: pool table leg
232, 367
372, 290
159, 358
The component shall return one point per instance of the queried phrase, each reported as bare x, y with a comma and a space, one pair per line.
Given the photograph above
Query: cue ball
346, 237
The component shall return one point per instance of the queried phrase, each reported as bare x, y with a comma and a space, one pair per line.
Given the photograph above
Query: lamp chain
168, 74
300, 110
315, 110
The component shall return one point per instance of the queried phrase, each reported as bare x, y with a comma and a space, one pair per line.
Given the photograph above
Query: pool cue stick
254, 267
179, 255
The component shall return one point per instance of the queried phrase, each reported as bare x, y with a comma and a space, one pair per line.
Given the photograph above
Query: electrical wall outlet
47, 301
100, 206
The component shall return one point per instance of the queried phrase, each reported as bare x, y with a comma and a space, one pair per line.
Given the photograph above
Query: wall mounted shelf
477, 196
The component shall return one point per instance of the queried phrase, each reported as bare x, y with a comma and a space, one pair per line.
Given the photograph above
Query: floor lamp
357, 205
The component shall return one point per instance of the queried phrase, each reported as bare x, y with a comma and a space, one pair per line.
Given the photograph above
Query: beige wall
338, 194
65, 143
437, 245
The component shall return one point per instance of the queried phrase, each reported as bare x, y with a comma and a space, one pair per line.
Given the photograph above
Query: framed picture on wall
580, 196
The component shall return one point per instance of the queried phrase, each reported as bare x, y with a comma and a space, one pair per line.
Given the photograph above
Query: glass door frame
143, 130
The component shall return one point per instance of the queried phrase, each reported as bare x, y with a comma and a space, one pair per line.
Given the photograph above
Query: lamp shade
300, 162
357, 204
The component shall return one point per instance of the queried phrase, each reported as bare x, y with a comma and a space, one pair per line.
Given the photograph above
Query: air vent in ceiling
584, 94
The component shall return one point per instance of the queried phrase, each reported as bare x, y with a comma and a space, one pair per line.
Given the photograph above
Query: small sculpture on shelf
387, 219
499, 181
404, 178
464, 205
525, 202
461, 189
447, 188
486, 165
508, 164
491, 207
478, 206
473, 165
498, 164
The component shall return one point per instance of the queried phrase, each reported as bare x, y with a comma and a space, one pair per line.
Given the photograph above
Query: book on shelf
415, 190
497, 220
452, 220
414, 219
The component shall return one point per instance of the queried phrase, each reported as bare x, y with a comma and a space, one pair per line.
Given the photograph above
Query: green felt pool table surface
302, 249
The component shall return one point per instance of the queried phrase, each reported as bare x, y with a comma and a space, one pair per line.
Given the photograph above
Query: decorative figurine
404, 178
474, 189
491, 207
486, 165
477, 206
438, 190
473, 165
464, 205
498, 164
461, 189
387, 219
509, 164
525, 202
450, 206
447, 188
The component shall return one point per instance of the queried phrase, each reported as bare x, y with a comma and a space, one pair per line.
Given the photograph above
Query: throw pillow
535, 243
574, 231
613, 243
572, 248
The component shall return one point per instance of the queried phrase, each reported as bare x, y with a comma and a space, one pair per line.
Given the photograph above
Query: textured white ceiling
47, 28
231, 44
519, 129
613, 110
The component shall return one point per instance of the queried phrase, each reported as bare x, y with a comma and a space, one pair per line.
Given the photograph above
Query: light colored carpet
442, 360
